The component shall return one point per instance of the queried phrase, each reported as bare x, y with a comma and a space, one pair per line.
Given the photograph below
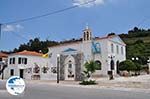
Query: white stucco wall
81, 46
31, 60
85, 48
58, 50
117, 56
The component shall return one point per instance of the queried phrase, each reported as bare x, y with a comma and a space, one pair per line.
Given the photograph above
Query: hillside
129, 41
138, 44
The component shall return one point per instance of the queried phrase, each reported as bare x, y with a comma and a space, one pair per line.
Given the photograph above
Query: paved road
47, 91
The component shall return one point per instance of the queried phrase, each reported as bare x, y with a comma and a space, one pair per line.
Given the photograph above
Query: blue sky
103, 17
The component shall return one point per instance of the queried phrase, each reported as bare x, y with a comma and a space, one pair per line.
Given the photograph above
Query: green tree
90, 67
110, 34
127, 65
36, 45
137, 50
138, 67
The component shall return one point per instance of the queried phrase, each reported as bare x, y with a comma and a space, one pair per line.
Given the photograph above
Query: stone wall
78, 66
62, 66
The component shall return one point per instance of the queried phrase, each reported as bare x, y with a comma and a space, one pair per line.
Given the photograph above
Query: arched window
84, 36
122, 52
112, 64
70, 64
98, 65
117, 64
112, 48
117, 49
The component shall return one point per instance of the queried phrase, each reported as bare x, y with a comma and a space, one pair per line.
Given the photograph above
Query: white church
71, 56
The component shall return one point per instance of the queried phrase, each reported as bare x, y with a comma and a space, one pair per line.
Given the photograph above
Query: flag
45, 55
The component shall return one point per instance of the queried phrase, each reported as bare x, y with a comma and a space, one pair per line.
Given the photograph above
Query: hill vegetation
138, 44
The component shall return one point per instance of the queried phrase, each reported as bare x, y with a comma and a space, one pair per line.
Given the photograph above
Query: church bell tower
87, 34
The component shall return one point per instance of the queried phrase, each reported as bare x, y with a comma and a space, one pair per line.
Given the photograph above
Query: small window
10, 61
13, 60
19, 60
11, 72
22, 60
25, 62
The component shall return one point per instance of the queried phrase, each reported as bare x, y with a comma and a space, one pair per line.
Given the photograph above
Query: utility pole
58, 67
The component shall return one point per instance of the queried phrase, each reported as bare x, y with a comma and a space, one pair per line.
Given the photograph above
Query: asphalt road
47, 91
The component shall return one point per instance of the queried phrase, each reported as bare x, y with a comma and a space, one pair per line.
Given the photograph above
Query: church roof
64, 43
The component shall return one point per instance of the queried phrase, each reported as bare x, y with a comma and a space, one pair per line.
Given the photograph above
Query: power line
48, 14
143, 21
40, 16
19, 35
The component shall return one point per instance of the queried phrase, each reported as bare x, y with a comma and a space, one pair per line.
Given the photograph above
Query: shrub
86, 82
127, 65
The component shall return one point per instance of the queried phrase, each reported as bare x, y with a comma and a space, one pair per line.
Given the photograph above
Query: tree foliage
137, 45
36, 45
110, 34
136, 32
127, 65
90, 67
138, 66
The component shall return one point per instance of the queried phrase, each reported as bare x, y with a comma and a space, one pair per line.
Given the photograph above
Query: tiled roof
31, 53
3, 55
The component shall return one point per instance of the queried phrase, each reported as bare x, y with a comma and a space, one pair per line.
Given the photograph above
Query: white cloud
18, 26
90, 3
11, 28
